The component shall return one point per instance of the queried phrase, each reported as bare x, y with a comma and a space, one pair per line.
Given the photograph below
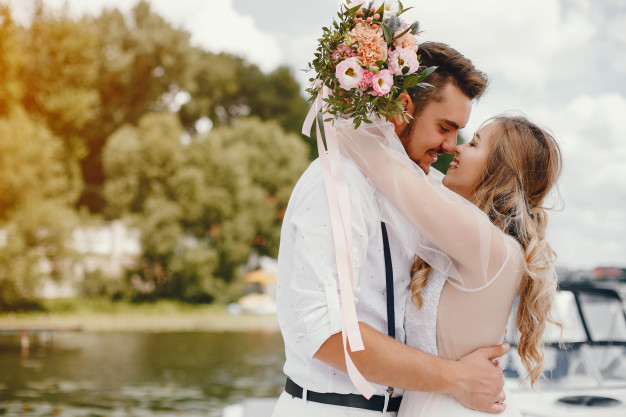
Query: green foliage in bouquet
366, 60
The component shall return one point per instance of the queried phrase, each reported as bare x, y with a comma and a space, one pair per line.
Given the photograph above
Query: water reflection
137, 374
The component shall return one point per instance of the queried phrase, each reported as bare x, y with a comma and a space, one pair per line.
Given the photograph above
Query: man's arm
474, 380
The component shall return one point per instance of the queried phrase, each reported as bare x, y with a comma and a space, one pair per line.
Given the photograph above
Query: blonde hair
523, 166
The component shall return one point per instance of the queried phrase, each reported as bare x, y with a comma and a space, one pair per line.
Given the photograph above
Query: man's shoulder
352, 172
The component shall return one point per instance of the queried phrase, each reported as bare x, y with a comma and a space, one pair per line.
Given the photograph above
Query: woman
481, 241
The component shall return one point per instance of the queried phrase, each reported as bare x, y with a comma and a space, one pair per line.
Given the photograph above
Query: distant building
109, 248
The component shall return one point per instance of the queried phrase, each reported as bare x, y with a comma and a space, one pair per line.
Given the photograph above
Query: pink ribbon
341, 224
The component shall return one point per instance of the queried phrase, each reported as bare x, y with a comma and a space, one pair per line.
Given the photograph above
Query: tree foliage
36, 207
91, 116
202, 207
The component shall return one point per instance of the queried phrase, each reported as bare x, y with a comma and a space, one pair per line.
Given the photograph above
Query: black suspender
391, 314
377, 402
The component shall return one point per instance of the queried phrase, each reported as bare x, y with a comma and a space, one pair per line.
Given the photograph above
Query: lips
433, 154
454, 163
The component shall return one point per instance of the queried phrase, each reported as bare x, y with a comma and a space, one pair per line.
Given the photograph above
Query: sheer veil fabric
454, 236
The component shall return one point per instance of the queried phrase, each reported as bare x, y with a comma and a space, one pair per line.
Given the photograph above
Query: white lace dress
421, 333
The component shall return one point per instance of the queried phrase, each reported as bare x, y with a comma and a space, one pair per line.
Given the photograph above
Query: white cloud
214, 24
591, 229
527, 44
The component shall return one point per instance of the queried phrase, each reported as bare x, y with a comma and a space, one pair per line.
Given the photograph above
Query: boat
585, 370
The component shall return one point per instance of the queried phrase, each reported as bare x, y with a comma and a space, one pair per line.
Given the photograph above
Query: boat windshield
589, 350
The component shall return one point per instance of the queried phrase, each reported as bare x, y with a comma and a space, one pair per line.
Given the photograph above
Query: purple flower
349, 73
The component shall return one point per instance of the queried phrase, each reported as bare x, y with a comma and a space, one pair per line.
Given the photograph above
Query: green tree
202, 208
226, 88
59, 75
142, 63
36, 214
11, 63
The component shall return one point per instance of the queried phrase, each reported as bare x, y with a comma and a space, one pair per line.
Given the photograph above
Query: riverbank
164, 316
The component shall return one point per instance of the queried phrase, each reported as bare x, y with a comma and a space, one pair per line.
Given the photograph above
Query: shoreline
192, 319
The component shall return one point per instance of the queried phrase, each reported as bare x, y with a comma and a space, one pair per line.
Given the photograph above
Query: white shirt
307, 292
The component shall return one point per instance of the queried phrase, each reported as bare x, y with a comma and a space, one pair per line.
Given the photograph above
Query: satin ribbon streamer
341, 224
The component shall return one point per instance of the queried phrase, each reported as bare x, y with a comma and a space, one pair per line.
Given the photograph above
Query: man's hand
476, 382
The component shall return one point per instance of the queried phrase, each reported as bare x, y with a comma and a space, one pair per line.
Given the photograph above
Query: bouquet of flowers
367, 60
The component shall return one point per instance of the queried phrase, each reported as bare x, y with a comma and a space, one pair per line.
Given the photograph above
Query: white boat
585, 371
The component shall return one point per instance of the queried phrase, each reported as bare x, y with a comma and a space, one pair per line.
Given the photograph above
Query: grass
101, 315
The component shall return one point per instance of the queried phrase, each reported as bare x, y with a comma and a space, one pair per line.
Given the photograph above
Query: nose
449, 143
459, 148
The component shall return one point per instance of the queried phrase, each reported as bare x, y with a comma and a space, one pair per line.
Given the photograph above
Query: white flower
403, 57
392, 7
349, 73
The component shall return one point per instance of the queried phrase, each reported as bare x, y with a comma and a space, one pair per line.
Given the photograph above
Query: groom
307, 295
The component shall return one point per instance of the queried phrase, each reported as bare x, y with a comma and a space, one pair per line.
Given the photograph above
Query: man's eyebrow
450, 123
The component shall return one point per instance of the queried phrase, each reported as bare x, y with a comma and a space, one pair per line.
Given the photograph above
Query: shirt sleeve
312, 312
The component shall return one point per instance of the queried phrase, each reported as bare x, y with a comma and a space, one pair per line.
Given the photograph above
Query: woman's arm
473, 380
453, 225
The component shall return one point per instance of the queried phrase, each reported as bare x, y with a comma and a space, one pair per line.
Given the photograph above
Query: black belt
375, 403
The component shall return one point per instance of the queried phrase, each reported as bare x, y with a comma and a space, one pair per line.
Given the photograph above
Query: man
307, 295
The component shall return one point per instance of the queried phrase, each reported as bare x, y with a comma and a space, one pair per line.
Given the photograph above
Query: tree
202, 208
36, 214
11, 63
142, 63
226, 88
59, 77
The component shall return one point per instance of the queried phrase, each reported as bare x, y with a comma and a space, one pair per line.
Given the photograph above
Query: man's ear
407, 102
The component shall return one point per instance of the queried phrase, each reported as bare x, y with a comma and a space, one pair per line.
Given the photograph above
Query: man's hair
452, 67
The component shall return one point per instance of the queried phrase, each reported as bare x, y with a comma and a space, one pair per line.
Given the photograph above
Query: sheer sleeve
452, 234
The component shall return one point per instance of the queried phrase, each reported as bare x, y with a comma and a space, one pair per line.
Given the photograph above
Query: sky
562, 63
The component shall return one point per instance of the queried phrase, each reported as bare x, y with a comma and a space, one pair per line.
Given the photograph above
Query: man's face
434, 130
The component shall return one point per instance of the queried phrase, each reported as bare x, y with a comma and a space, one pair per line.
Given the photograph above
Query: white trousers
288, 406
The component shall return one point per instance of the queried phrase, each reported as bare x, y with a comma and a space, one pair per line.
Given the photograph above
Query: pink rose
342, 52
349, 73
403, 57
382, 82
366, 80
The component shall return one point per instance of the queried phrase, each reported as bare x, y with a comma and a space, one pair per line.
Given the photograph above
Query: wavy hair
523, 166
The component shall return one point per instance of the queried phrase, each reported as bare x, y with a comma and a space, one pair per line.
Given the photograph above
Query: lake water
138, 374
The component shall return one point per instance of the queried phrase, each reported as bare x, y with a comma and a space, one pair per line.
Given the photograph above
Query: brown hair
452, 67
523, 166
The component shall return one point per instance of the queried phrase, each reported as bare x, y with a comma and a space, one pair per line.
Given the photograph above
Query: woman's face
469, 160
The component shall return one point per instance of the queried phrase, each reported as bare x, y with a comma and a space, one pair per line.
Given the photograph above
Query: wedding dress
426, 330
476, 267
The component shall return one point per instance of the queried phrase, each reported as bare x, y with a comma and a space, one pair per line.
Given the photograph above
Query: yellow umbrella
260, 277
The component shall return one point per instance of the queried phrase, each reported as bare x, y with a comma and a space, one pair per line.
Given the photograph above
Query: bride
481, 241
